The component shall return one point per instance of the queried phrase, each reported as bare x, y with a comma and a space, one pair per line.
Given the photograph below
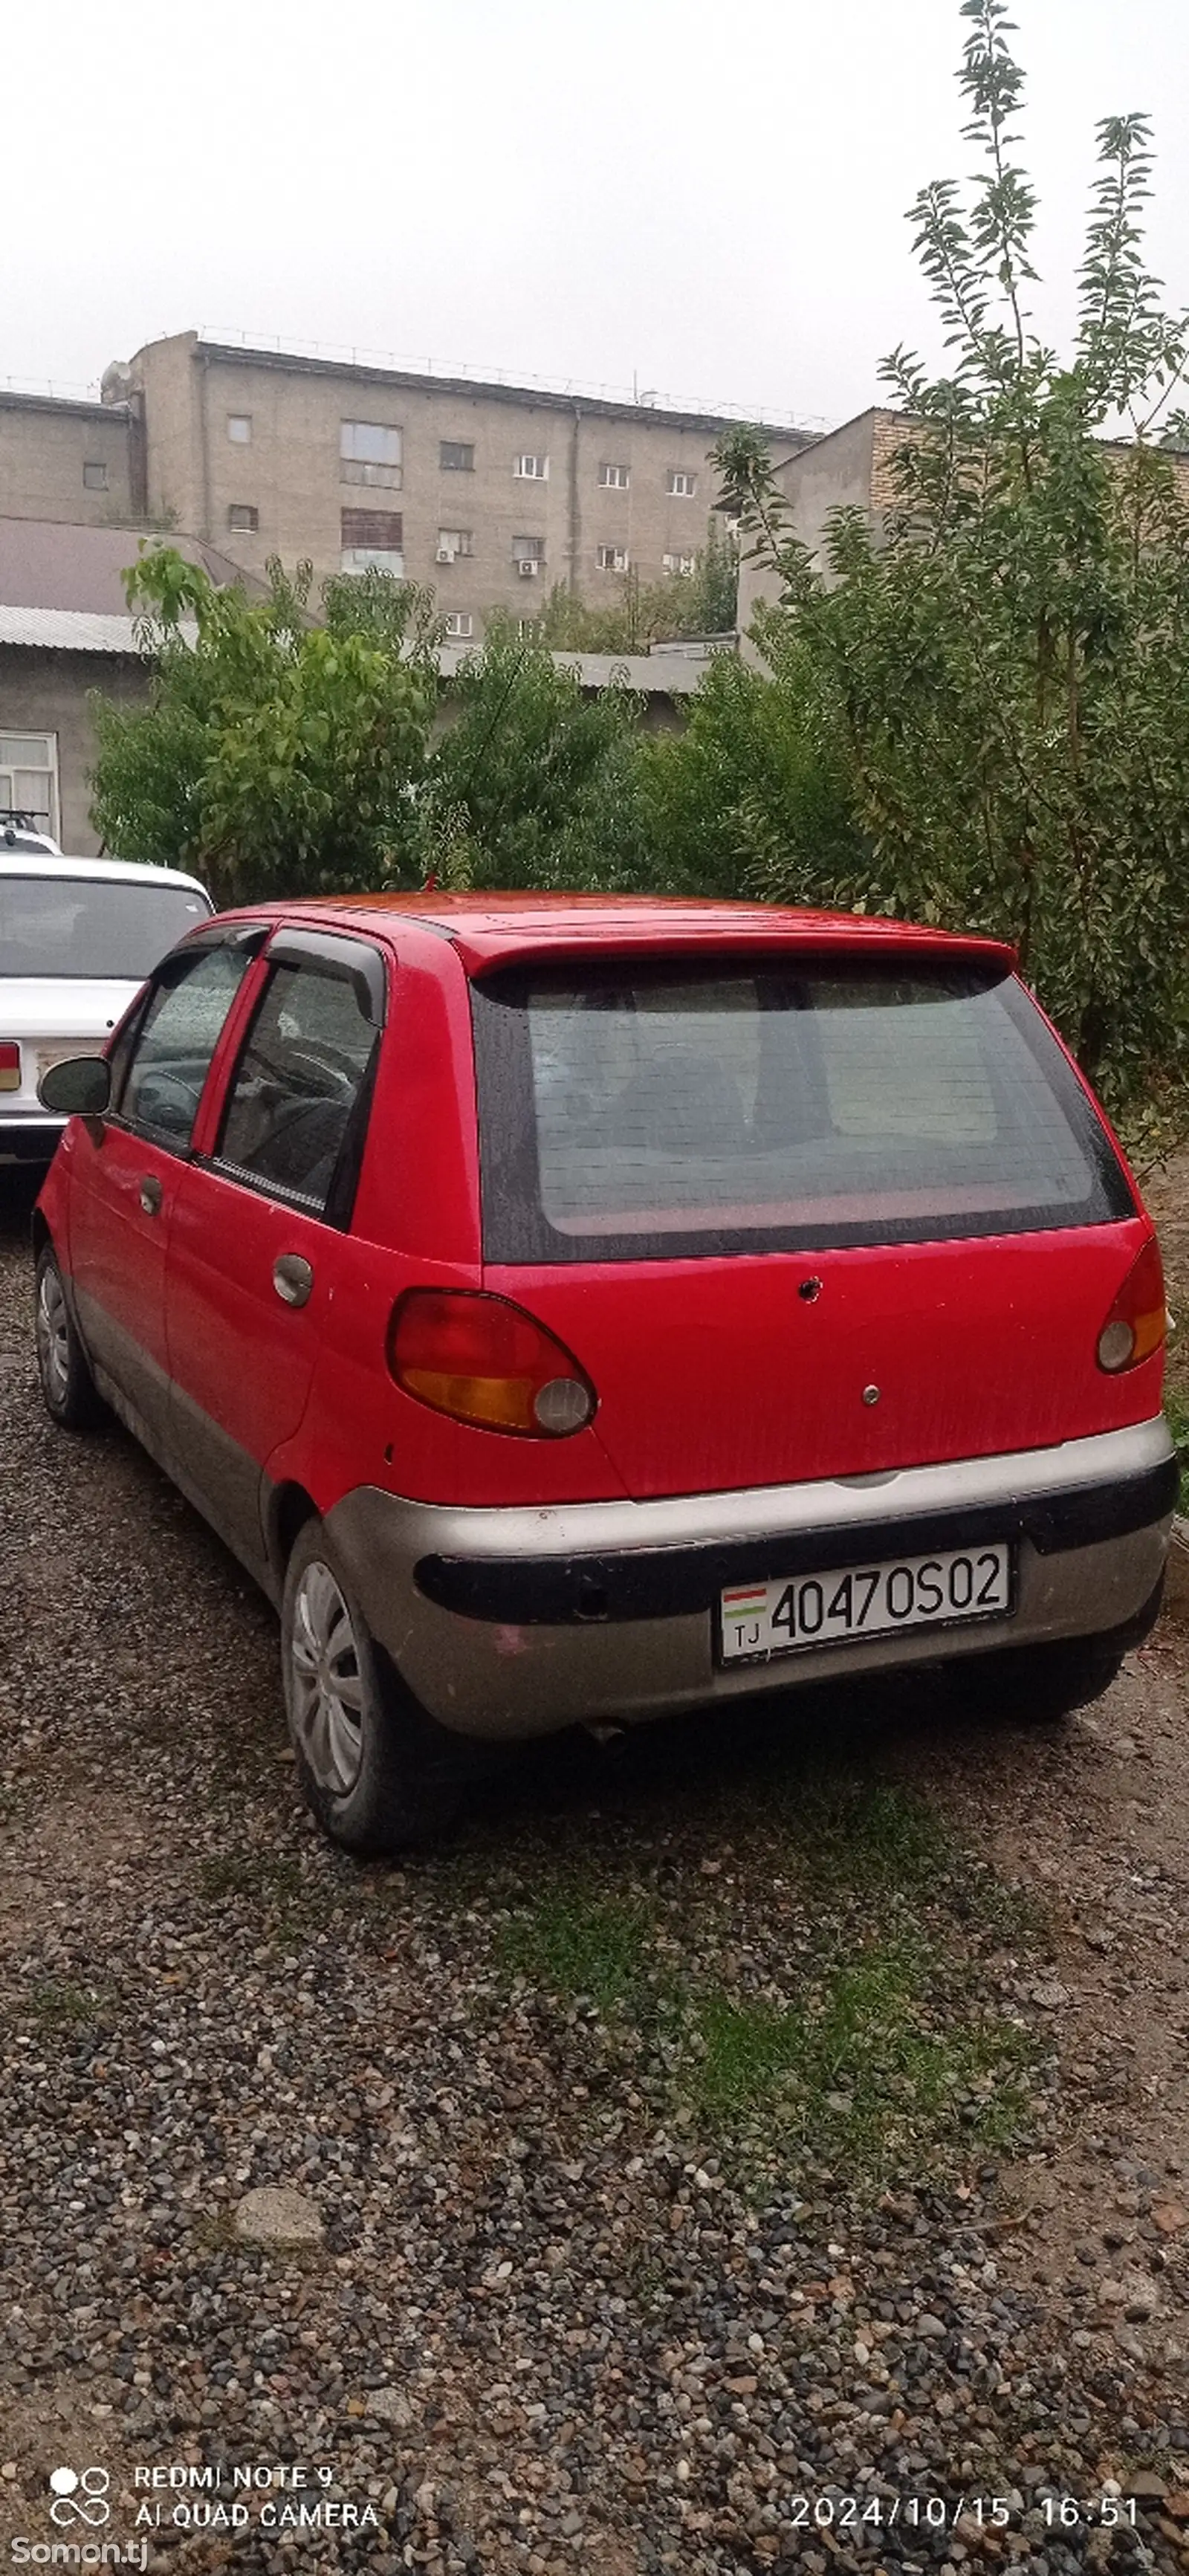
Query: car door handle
293, 1278
151, 1195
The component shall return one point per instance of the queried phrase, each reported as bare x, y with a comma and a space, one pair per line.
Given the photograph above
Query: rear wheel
378, 1772
1040, 1685
71, 1397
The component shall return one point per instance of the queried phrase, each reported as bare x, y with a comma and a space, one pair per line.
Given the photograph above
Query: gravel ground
615, 2263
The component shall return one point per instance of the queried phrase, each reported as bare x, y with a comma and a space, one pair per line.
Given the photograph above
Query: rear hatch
803, 1218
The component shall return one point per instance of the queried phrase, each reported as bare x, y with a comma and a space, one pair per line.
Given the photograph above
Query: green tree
279, 755
755, 789
275, 755
534, 783
640, 614
1007, 655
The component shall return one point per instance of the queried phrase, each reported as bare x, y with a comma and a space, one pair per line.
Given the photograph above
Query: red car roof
491, 929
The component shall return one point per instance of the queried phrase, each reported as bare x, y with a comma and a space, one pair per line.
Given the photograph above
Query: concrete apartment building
492, 493
850, 468
73, 461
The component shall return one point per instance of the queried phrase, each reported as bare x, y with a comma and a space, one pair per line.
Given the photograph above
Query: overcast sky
705, 200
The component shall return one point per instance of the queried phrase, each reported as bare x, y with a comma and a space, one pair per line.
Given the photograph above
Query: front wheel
378, 1772
68, 1389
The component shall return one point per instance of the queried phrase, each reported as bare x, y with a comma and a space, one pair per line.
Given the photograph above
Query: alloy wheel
53, 1335
326, 1684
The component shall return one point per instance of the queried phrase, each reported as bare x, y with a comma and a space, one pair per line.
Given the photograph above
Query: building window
459, 624
684, 564
95, 478
531, 469
679, 485
370, 452
612, 558
614, 478
239, 428
243, 517
453, 542
372, 539
528, 556
455, 456
29, 779
527, 627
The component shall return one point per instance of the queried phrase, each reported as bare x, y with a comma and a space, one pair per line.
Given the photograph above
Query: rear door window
643, 1114
297, 1104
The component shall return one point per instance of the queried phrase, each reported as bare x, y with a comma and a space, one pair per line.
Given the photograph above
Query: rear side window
646, 1114
301, 1086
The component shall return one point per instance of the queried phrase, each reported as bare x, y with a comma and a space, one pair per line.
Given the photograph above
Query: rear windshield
90, 926
629, 1114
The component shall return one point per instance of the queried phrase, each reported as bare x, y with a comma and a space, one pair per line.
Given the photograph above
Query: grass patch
869, 2071
581, 1947
868, 1833
62, 2007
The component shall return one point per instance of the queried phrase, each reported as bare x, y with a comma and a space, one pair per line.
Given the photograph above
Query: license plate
797, 1612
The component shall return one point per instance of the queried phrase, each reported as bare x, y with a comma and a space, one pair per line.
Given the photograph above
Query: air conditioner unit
528, 568
445, 554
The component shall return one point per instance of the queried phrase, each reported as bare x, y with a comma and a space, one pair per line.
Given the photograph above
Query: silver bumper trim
486, 1677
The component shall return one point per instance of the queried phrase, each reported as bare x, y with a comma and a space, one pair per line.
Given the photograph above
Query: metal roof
57, 564
67, 630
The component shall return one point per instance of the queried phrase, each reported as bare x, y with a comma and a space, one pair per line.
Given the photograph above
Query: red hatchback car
576, 1310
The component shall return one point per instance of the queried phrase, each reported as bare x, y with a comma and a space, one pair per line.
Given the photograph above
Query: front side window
456, 456
531, 469
679, 485
83, 926
158, 1077
95, 477
642, 1115
300, 1089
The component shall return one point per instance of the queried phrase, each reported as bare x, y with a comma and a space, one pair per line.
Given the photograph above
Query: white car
77, 939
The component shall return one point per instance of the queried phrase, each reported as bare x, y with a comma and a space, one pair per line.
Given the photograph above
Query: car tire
378, 1772
68, 1389
1041, 1685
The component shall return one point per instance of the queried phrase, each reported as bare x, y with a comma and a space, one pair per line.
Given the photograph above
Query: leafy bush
1007, 650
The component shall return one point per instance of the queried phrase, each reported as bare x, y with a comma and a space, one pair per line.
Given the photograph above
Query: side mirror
79, 1087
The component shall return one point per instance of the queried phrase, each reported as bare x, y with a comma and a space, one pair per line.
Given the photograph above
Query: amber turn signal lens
483, 1360
1137, 1322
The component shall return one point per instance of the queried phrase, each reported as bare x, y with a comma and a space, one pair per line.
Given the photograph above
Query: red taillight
10, 1065
1136, 1324
483, 1360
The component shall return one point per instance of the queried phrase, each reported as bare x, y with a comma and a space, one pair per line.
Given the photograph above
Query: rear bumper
30, 1138
516, 1623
